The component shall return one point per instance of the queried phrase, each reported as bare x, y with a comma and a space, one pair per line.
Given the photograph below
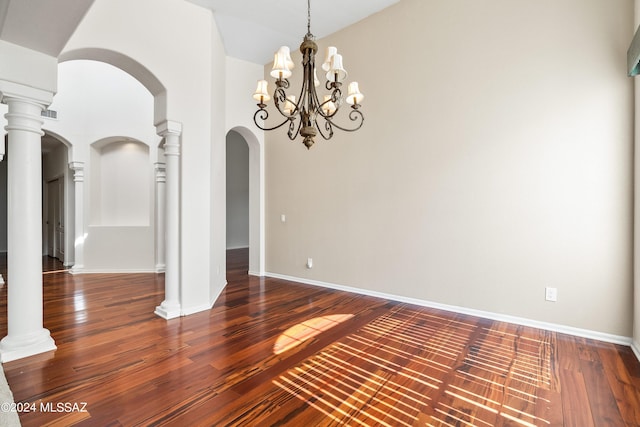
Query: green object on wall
633, 55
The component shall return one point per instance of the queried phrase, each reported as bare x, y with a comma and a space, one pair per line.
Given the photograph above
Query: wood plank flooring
275, 353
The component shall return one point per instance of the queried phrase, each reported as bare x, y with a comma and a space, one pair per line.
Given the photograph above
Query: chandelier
315, 116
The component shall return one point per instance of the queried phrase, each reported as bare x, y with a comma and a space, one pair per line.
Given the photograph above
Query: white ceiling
41, 25
253, 30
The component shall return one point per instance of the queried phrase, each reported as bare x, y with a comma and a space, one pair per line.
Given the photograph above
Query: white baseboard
635, 346
584, 333
256, 273
196, 309
111, 271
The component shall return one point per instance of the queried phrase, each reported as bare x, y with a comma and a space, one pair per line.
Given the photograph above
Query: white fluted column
171, 306
161, 180
26, 335
79, 233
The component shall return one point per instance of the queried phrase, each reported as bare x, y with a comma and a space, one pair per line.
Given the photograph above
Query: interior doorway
57, 200
246, 168
55, 219
237, 191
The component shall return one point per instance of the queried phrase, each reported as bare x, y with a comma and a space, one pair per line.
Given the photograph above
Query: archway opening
57, 203
253, 161
57, 199
114, 145
237, 192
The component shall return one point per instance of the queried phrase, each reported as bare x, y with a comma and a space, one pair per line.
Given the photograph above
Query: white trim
111, 271
168, 313
196, 309
635, 346
584, 333
257, 273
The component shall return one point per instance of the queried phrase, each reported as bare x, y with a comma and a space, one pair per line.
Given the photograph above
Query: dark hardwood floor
276, 353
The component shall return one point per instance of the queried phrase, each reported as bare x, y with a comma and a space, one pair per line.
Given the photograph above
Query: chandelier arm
336, 103
354, 116
263, 114
326, 116
328, 128
329, 85
299, 106
294, 130
336, 98
279, 95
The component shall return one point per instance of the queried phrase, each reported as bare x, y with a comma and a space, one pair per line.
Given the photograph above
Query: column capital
161, 172
76, 166
169, 127
24, 115
78, 169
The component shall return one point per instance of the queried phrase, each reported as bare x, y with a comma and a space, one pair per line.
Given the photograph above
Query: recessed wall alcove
121, 183
121, 228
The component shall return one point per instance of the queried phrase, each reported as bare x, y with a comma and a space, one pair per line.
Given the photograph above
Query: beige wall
495, 160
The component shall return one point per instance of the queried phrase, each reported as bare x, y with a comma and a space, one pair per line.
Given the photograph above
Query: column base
13, 348
76, 269
168, 311
160, 268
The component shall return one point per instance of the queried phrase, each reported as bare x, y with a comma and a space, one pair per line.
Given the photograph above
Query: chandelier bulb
331, 50
282, 64
354, 96
262, 92
336, 73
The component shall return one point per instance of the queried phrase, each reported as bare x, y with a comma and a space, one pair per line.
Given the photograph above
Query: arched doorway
237, 191
256, 197
58, 197
110, 166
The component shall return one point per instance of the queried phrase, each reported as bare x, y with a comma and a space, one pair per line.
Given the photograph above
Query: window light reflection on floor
413, 368
306, 330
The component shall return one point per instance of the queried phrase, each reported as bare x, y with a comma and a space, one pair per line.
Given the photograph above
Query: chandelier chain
308, 16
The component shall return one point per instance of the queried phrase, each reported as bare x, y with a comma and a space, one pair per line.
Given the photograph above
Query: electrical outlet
309, 263
551, 294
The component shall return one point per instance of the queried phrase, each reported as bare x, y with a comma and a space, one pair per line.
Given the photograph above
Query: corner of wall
635, 346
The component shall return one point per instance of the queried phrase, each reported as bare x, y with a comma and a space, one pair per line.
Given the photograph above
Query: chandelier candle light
315, 116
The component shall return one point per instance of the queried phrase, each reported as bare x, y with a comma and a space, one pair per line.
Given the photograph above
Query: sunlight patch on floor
407, 368
306, 330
